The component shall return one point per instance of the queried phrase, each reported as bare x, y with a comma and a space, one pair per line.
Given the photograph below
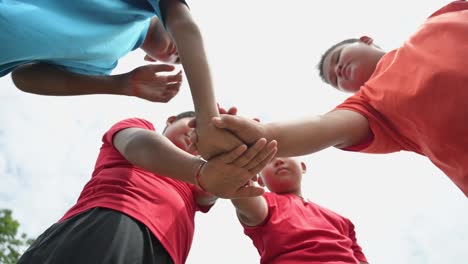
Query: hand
193, 124
146, 83
212, 141
230, 175
245, 129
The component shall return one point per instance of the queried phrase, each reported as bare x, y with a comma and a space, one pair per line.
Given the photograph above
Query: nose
338, 68
278, 162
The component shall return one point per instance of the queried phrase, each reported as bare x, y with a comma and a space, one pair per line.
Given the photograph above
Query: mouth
278, 171
346, 72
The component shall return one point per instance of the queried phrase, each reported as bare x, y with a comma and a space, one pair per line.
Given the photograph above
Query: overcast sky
263, 55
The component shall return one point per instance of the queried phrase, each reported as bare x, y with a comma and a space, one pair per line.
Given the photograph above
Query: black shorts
97, 236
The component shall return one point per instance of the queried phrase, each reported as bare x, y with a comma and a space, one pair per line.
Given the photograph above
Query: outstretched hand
230, 175
148, 83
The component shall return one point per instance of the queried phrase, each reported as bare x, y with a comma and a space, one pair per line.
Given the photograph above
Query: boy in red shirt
413, 99
289, 229
140, 203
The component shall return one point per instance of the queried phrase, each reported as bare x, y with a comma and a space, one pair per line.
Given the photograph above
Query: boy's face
178, 132
283, 175
349, 66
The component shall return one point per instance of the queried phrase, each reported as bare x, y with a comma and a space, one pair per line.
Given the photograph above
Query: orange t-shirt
417, 98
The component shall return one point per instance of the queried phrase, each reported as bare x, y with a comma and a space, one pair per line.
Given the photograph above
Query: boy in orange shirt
413, 99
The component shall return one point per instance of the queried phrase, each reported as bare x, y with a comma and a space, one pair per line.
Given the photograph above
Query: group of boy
140, 202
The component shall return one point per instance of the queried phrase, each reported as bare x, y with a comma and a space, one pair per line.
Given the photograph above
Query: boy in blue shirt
62, 48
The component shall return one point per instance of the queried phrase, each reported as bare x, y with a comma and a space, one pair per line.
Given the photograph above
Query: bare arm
251, 211
46, 79
155, 153
188, 39
340, 128
143, 82
224, 176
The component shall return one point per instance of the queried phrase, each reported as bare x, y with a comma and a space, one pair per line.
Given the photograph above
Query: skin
339, 128
348, 66
187, 36
223, 176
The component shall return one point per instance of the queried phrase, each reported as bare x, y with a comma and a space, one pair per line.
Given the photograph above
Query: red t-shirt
166, 206
298, 232
417, 98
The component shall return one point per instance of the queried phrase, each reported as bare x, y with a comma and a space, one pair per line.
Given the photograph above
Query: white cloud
263, 56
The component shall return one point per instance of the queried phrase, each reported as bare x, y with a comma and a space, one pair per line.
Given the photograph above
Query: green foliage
11, 245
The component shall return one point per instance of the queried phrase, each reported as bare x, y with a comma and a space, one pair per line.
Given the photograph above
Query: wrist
197, 175
124, 84
269, 132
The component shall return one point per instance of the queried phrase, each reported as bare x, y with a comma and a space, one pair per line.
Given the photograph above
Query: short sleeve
108, 137
271, 204
195, 193
381, 139
357, 250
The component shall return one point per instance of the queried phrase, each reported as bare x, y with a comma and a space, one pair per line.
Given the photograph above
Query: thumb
192, 123
225, 121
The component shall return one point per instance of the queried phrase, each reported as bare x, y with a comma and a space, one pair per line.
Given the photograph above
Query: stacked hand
230, 175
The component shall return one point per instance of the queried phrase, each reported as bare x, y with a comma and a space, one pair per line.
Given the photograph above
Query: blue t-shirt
83, 36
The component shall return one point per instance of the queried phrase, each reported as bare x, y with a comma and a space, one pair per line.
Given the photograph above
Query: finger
225, 121
232, 111
148, 58
193, 138
221, 110
257, 169
249, 191
173, 86
193, 147
192, 123
251, 152
233, 154
161, 67
173, 78
262, 155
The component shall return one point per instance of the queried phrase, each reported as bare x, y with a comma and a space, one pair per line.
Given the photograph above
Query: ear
303, 167
170, 120
366, 39
148, 58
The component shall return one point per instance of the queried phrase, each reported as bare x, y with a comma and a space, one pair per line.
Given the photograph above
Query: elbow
22, 80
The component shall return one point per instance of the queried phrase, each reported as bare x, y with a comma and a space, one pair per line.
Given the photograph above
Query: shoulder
452, 7
126, 123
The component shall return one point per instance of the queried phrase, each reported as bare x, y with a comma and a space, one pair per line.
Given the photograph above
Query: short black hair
320, 65
182, 115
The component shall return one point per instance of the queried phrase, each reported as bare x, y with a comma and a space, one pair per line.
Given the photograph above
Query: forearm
188, 39
46, 79
155, 153
301, 137
251, 211
340, 128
